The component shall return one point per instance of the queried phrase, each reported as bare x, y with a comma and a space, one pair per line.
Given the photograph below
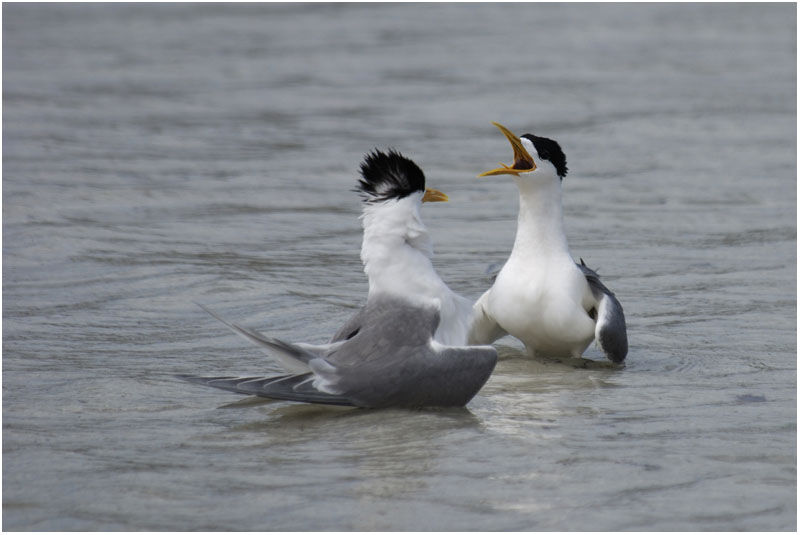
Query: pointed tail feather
294, 358
285, 387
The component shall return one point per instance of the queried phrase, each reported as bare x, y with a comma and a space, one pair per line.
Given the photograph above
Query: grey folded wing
388, 358
351, 326
610, 329
392, 360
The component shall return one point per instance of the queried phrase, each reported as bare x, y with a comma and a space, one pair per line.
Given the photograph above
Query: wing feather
286, 387
610, 330
293, 357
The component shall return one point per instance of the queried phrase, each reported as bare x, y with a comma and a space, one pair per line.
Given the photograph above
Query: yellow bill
434, 195
523, 162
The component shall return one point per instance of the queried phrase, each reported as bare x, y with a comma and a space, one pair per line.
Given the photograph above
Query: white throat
540, 224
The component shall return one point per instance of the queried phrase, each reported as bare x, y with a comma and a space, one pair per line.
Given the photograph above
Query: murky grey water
160, 155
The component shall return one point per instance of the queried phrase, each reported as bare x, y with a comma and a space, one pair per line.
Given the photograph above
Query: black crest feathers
389, 175
550, 150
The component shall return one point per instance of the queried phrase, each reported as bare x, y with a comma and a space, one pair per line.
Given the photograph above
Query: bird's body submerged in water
541, 296
407, 345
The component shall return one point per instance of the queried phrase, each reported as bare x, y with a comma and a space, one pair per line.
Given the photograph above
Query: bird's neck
540, 225
392, 266
397, 250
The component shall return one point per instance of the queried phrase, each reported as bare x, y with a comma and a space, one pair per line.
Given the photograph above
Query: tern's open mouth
523, 162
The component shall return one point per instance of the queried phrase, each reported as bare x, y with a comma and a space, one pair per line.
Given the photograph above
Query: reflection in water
380, 459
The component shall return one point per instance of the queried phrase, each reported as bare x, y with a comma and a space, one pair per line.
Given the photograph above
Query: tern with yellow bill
541, 296
407, 346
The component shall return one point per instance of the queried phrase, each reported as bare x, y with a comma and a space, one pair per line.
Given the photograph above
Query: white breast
544, 307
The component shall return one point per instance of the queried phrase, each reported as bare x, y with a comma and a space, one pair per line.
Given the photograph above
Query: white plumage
397, 251
541, 296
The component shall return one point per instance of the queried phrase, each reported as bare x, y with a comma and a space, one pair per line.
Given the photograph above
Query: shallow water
159, 155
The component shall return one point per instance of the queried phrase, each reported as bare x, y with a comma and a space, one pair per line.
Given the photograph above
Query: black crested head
550, 150
389, 175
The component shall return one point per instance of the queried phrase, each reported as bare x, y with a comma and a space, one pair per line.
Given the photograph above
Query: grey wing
610, 330
351, 326
422, 376
284, 387
459, 373
392, 360
293, 357
385, 324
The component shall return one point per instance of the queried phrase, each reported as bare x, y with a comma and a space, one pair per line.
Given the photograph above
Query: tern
406, 347
541, 296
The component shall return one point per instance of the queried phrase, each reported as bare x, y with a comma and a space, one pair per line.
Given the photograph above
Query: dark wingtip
613, 336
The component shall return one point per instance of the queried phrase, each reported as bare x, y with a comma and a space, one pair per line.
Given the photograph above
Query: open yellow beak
523, 163
434, 195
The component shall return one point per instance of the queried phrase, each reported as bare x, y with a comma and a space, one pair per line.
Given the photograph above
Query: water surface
157, 155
